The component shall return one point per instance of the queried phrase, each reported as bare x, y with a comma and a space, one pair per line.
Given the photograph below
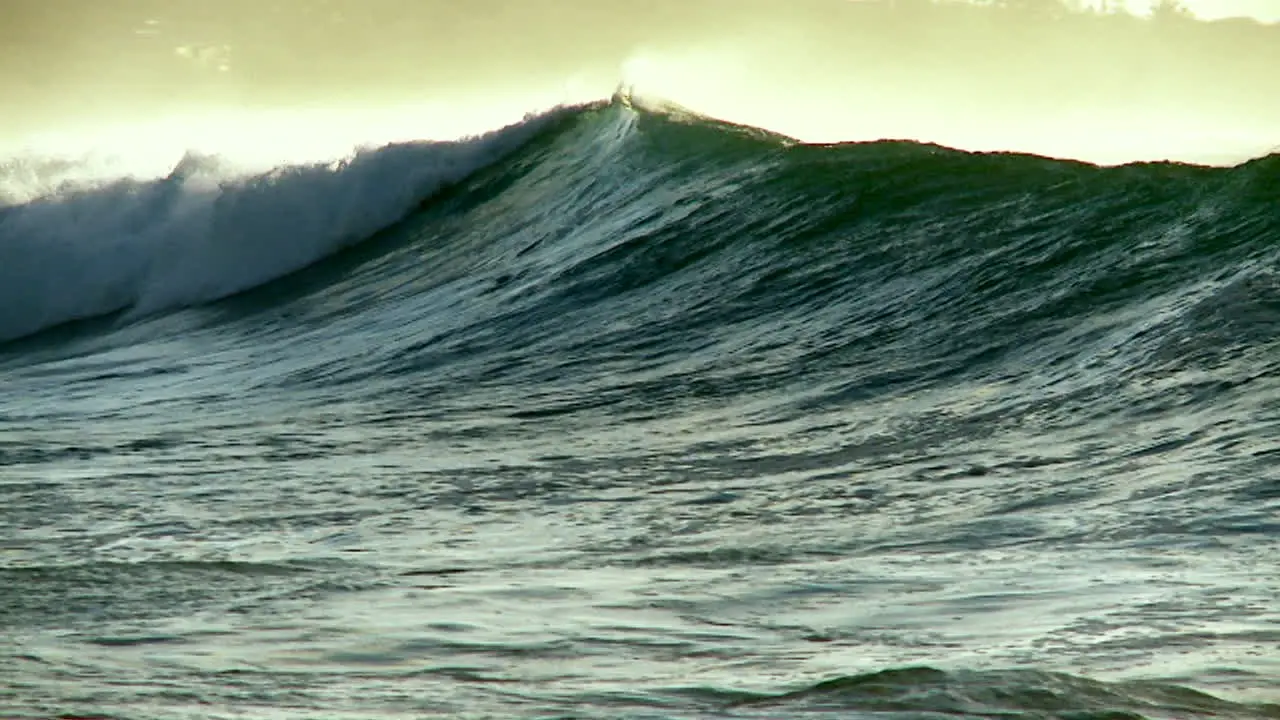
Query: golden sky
224, 72
1266, 10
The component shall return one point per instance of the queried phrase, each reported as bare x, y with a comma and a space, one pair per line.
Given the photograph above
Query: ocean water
621, 412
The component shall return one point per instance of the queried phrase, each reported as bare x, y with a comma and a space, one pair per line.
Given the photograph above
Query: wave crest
74, 248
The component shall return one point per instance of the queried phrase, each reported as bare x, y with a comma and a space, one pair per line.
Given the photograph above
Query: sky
275, 79
1265, 10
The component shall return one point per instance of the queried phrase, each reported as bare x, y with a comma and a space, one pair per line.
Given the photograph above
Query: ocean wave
642, 221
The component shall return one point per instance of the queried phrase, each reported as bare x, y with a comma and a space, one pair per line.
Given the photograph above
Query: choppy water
639, 415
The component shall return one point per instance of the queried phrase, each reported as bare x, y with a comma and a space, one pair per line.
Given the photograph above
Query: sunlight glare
256, 140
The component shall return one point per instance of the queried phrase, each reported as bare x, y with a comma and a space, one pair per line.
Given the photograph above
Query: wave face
623, 412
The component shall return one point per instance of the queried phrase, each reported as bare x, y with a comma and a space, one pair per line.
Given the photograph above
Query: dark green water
638, 415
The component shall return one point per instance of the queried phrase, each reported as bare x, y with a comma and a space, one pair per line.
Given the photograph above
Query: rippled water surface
652, 417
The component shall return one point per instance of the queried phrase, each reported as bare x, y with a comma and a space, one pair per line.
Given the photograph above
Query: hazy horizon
1105, 89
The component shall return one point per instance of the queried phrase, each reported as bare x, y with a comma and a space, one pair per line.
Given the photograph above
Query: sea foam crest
74, 247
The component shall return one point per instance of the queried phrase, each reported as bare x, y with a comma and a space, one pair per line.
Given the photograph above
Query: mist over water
1103, 87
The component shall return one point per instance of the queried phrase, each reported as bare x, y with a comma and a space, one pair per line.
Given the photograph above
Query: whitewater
624, 412
77, 244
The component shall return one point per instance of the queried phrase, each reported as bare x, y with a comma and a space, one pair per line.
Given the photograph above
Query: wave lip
204, 231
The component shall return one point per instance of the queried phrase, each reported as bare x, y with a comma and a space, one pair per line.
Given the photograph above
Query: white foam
77, 241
